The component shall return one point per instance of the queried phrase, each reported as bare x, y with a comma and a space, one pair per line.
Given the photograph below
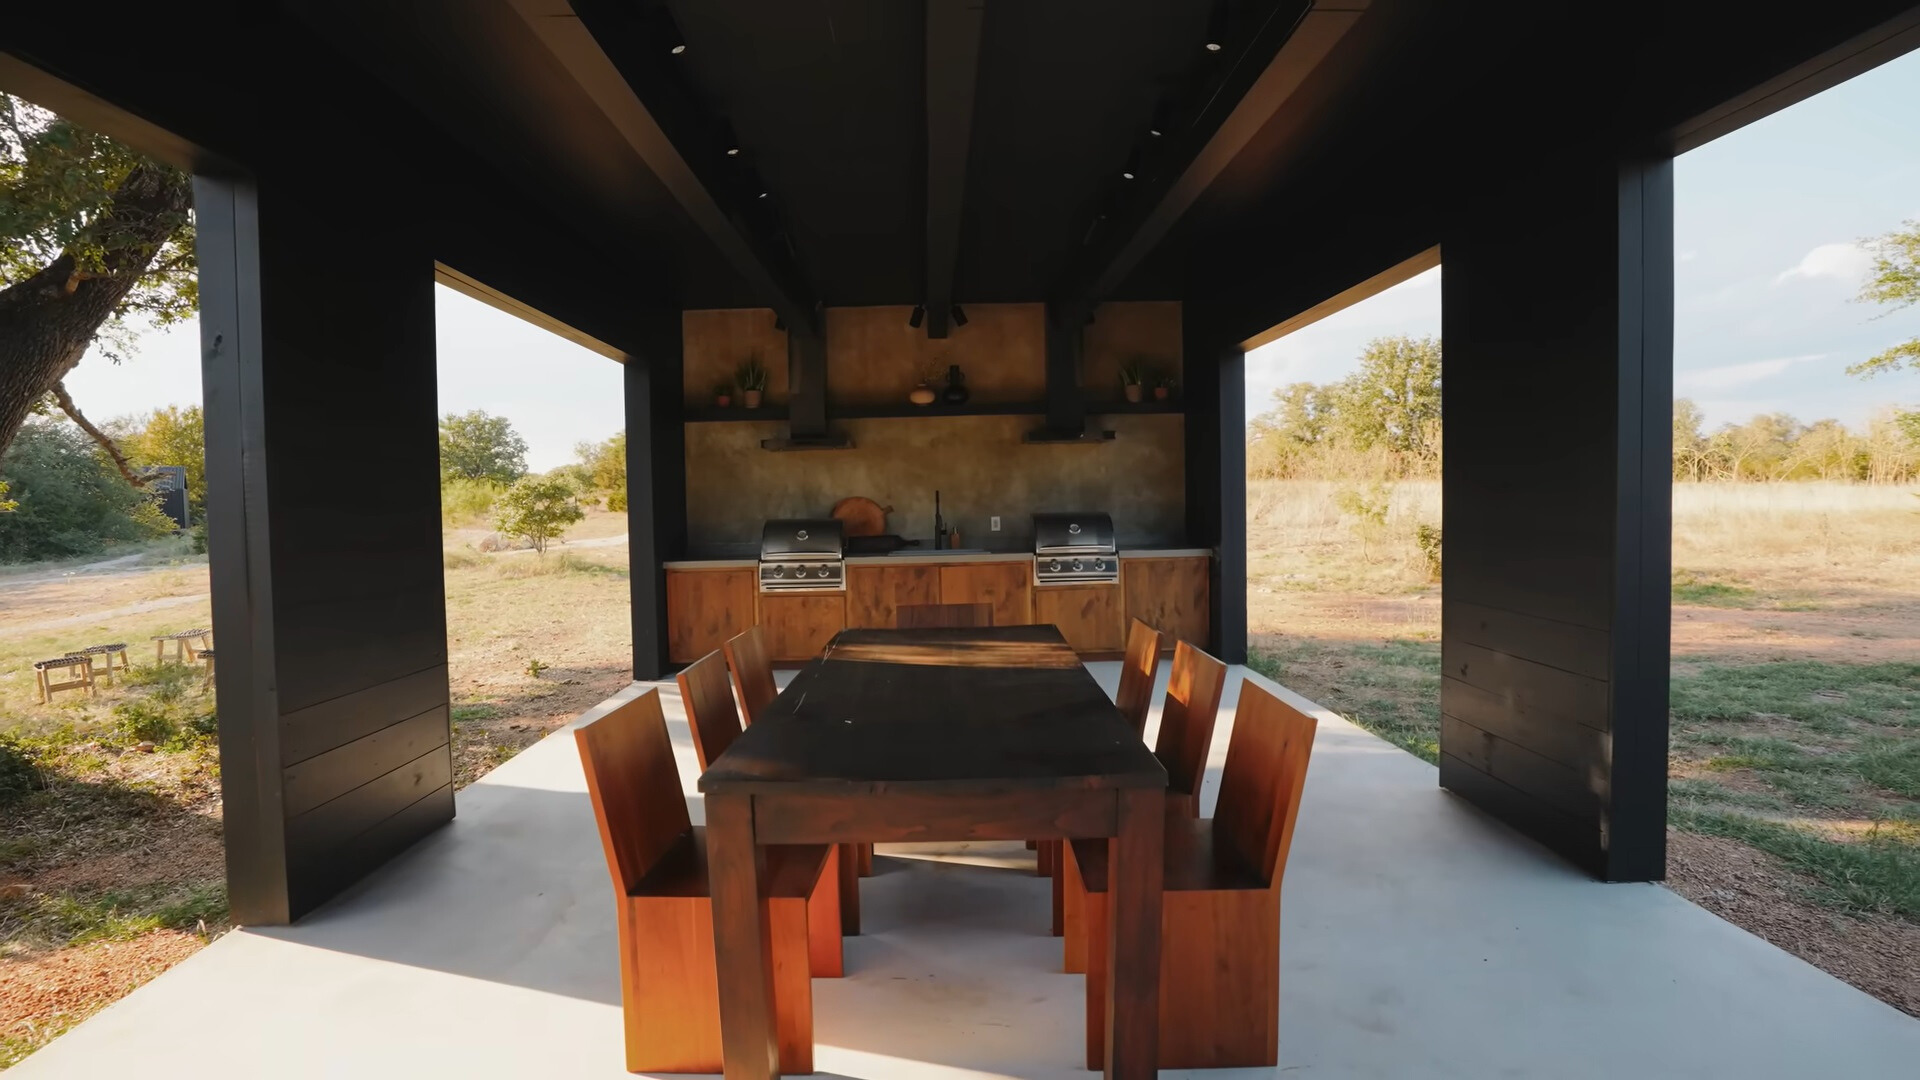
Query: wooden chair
942, 616
79, 675
1137, 672
1186, 736
752, 669
100, 660
669, 990
182, 641
1220, 919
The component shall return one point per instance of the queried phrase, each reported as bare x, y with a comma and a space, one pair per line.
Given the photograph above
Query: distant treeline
1383, 423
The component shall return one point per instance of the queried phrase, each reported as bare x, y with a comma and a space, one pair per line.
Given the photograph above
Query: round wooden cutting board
861, 516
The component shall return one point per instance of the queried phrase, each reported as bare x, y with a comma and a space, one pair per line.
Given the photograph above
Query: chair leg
866, 860
1072, 910
1220, 980
1094, 924
792, 983
824, 958
669, 988
1059, 877
848, 863
1043, 853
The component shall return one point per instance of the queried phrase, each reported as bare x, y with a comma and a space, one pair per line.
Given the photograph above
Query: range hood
1066, 402
807, 396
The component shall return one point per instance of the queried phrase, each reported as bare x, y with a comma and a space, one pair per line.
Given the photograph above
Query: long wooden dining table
912, 735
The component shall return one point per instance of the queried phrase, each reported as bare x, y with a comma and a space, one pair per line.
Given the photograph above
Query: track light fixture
1217, 27
959, 315
917, 317
729, 143
1162, 121
1131, 170
669, 32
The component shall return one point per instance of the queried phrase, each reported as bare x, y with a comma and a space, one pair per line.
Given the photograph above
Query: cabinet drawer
1090, 617
705, 608
1172, 596
799, 625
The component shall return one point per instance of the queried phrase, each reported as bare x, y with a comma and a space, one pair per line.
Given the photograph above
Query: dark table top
932, 711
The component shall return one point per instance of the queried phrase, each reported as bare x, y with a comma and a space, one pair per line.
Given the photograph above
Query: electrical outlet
993, 523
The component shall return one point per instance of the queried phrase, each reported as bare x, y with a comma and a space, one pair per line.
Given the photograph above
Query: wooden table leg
1133, 983
849, 889
742, 941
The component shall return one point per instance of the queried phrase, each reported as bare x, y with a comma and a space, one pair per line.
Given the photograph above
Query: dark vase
956, 393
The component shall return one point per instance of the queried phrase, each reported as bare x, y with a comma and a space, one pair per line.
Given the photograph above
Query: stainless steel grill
802, 555
1074, 549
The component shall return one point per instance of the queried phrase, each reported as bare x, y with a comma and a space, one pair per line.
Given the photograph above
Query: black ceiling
828, 99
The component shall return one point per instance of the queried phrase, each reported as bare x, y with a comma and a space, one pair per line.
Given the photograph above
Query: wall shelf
903, 410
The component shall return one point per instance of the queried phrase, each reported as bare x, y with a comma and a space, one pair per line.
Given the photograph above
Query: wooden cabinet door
1172, 596
1007, 586
1089, 616
875, 593
799, 625
705, 608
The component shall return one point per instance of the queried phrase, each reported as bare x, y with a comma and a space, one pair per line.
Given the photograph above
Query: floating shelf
738, 414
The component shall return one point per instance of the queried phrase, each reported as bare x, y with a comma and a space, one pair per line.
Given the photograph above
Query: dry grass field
1794, 787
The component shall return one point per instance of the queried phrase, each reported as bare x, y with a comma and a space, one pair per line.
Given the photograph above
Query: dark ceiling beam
953, 68
561, 29
1277, 60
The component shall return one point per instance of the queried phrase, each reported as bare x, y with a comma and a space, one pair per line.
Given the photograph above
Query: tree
1394, 399
477, 446
603, 467
71, 500
94, 237
169, 436
1894, 281
1689, 441
538, 508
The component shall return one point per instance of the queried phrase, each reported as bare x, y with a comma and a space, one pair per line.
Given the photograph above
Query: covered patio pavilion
1069, 169
1421, 938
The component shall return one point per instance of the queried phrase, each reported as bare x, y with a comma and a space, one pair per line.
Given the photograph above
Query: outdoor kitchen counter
915, 555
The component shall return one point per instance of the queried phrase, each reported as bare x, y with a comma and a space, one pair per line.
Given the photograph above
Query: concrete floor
1419, 940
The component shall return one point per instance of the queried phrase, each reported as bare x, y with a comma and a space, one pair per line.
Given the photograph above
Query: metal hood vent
807, 396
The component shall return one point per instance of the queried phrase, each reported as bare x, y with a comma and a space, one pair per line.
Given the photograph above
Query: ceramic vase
1133, 392
752, 398
922, 395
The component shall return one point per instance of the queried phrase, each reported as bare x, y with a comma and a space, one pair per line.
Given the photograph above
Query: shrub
72, 501
1427, 539
146, 719
537, 508
464, 500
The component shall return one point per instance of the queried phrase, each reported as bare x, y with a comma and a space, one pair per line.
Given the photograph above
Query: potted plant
1132, 378
1162, 386
722, 394
752, 377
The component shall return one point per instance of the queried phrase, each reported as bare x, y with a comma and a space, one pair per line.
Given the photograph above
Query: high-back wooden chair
1186, 724
1137, 673
669, 992
940, 616
1219, 1007
752, 668
708, 697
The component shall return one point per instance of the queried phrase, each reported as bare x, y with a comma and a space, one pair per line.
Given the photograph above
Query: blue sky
1766, 222
1766, 265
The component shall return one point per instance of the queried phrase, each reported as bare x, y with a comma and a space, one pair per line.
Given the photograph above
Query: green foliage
71, 500
57, 188
537, 508
535, 667
1391, 688
1893, 282
1807, 691
167, 715
751, 374
1427, 538
1775, 446
1878, 874
1693, 587
1387, 413
19, 769
1369, 510
476, 446
125, 914
603, 468
199, 537
169, 436
464, 500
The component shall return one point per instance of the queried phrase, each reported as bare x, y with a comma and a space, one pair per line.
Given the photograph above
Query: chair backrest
752, 672
708, 698
937, 616
1136, 674
1261, 782
1186, 720
635, 787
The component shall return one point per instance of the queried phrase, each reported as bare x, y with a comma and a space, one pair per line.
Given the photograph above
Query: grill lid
801, 538
1080, 532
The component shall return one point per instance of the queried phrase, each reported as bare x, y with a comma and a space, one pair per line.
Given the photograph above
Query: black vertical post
1558, 413
1215, 374
1065, 345
656, 482
329, 611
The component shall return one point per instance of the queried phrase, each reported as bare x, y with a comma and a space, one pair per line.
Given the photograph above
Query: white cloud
1728, 376
1848, 262
1686, 256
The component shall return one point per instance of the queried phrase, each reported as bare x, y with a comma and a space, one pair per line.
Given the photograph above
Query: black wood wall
323, 526
1215, 372
1557, 317
656, 483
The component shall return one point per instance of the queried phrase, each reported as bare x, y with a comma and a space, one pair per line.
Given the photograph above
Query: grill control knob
1077, 566
779, 571
1099, 564
823, 571
1054, 566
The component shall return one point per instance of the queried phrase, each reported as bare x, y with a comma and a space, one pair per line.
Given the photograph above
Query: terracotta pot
922, 395
1160, 393
721, 401
752, 398
1133, 392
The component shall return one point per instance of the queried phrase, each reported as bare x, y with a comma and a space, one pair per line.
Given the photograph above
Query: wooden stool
207, 655
43, 673
182, 640
118, 649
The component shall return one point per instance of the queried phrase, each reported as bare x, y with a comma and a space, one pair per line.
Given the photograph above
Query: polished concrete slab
1420, 939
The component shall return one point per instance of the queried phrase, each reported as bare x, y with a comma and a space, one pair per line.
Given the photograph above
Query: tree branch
113, 451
